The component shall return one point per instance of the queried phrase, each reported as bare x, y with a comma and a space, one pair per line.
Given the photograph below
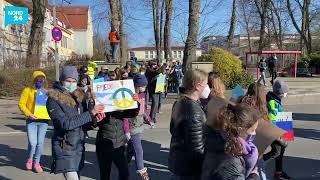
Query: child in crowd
134, 127
280, 90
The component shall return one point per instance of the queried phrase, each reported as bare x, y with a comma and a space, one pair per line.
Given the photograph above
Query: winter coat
274, 106
187, 141
152, 75
70, 124
262, 66
111, 128
218, 165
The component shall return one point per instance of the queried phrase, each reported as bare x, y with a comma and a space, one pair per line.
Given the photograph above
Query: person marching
134, 127
186, 127
278, 147
70, 123
262, 69
230, 152
36, 128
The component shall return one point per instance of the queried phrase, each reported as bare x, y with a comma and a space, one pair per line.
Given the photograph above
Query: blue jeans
138, 150
262, 169
36, 131
114, 49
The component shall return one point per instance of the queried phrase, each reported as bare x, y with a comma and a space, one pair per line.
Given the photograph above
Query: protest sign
115, 95
15, 15
236, 93
40, 109
161, 82
284, 121
266, 133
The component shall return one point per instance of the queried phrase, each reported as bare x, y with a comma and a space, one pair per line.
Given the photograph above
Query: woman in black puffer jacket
186, 127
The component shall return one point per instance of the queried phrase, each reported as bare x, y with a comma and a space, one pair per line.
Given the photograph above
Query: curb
312, 98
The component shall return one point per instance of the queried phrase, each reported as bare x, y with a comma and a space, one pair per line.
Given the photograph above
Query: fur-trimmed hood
61, 95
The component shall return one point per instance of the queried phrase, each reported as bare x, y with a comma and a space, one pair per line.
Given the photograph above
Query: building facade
149, 53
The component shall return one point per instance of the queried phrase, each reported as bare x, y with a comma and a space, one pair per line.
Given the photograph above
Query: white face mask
70, 86
205, 93
283, 95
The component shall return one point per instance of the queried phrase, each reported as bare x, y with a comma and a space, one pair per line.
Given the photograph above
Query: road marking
8, 133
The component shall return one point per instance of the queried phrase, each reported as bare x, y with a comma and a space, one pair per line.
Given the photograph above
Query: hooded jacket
274, 106
28, 96
70, 124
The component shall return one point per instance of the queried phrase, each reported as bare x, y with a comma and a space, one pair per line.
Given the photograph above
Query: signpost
56, 34
56, 55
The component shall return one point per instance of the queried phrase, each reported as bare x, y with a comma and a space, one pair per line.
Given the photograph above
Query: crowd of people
212, 138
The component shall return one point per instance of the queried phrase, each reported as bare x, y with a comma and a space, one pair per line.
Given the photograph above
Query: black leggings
106, 154
277, 151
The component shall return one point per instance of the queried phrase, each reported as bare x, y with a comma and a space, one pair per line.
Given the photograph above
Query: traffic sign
56, 34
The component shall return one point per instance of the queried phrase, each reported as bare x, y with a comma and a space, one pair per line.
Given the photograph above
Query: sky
138, 19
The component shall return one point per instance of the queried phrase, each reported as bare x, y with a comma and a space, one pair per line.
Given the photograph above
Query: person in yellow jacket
36, 128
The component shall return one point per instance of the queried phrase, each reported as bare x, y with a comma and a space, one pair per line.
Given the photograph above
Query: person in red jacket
114, 39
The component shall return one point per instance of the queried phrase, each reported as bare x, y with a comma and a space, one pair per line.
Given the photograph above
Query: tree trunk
278, 33
167, 30
162, 14
304, 41
233, 21
262, 8
36, 35
156, 28
190, 48
123, 37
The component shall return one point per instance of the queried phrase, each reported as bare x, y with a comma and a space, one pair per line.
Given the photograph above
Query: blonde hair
215, 83
191, 79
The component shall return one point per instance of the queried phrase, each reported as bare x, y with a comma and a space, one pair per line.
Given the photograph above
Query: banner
15, 15
266, 133
285, 122
40, 109
161, 82
115, 95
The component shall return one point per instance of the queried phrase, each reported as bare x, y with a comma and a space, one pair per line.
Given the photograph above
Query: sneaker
281, 176
144, 174
29, 164
37, 167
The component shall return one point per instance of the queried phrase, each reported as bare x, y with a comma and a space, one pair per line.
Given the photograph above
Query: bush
314, 59
12, 81
229, 67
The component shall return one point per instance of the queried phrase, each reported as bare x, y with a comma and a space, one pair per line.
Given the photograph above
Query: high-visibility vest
113, 37
91, 67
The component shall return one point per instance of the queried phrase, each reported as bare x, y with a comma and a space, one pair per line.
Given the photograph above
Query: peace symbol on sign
123, 103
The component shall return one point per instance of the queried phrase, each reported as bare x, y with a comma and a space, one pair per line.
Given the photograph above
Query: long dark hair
236, 120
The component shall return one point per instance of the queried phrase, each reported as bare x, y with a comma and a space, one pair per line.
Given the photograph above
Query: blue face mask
70, 86
39, 85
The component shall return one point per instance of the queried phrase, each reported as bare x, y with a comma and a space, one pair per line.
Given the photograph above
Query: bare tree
246, 12
36, 35
262, 8
123, 37
190, 48
233, 21
277, 25
167, 30
304, 30
156, 26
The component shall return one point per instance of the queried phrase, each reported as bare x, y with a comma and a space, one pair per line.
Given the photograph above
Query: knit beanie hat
69, 72
280, 87
140, 80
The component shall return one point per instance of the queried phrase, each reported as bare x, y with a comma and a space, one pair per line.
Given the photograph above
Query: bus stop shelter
282, 53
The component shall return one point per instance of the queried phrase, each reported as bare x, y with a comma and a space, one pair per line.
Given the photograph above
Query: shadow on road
307, 133
306, 117
298, 168
17, 158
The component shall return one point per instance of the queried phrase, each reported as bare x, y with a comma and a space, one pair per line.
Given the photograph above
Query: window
146, 54
175, 54
152, 54
179, 54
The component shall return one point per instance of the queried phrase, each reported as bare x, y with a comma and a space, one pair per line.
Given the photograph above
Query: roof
74, 17
22, 3
275, 52
150, 48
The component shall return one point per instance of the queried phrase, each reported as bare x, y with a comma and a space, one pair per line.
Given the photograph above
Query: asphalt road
302, 159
